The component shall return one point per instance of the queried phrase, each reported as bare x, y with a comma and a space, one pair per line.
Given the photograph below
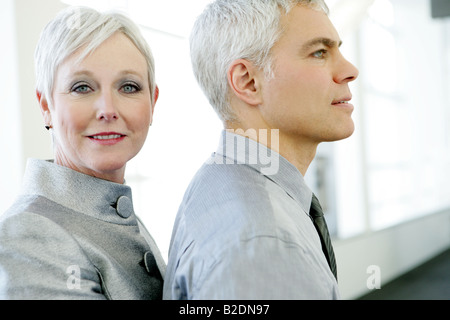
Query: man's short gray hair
77, 27
228, 30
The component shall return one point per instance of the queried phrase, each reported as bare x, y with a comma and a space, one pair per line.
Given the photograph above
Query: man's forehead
310, 26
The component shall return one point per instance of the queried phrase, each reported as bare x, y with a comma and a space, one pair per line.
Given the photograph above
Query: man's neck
298, 152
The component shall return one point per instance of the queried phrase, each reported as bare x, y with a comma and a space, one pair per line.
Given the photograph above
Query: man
246, 227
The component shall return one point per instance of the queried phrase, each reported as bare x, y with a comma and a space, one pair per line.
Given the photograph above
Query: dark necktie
318, 219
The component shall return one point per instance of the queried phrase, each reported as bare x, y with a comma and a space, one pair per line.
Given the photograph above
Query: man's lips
344, 100
343, 103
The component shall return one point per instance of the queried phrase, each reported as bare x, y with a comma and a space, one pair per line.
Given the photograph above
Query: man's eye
320, 54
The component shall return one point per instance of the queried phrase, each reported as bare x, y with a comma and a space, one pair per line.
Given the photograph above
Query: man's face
307, 99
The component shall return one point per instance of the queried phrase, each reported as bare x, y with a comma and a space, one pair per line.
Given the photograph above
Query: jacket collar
239, 149
100, 199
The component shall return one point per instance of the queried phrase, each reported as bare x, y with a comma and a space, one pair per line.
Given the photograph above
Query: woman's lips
107, 138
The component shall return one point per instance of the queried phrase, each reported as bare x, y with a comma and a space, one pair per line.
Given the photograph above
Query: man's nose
346, 71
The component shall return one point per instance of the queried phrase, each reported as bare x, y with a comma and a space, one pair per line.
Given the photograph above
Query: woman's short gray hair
228, 30
77, 27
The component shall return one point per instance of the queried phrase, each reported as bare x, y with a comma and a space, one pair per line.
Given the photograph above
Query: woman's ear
244, 81
45, 110
155, 98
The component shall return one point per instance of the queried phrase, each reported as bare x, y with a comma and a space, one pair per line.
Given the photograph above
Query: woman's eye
130, 88
83, 88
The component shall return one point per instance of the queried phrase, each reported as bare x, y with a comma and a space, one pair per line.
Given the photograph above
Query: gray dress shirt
73, 236
243, 231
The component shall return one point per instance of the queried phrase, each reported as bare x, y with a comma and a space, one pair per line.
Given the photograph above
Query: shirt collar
237, 149
101, 199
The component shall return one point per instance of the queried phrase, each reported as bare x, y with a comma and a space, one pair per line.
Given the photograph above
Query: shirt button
124, 207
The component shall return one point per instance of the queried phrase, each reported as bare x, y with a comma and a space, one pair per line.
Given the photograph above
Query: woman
72, 233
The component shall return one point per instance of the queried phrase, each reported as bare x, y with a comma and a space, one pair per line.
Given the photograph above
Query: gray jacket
73, 236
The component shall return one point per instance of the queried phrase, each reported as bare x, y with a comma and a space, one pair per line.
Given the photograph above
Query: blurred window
393, 169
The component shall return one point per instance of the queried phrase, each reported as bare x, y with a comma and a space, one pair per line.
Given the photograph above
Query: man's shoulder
233, 199
226, 185
229, 170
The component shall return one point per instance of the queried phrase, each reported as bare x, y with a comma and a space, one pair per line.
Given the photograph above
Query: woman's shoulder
38, 256
27, 228
26, 224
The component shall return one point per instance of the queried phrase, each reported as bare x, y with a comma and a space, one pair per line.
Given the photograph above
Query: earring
47, 127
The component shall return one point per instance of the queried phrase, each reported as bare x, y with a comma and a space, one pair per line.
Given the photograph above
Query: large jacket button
124, 207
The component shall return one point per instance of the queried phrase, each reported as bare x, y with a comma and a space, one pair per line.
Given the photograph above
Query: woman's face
102, 109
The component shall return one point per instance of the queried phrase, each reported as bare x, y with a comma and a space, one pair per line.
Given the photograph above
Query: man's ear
244, 81
45, 110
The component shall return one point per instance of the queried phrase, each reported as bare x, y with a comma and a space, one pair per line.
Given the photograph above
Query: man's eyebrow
323, 41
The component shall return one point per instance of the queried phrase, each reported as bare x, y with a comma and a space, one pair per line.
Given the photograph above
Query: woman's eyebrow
90, 74
132, 72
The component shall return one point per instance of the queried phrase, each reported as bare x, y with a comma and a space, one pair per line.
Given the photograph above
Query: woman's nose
106, 107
